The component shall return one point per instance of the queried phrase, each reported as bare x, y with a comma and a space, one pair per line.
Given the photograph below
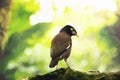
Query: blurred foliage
20, 42
28, 47
21, 11
111, 36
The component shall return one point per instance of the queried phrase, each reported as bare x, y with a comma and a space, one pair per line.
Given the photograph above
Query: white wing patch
68, 46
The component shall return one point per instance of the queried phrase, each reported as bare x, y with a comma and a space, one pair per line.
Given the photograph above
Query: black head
69, 30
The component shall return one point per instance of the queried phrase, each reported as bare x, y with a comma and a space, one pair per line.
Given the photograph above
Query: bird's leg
57, 67
67, 63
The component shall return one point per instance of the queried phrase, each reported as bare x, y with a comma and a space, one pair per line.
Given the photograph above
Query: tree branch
69, 74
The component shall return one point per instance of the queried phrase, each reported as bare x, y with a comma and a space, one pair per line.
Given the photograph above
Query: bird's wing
59, 44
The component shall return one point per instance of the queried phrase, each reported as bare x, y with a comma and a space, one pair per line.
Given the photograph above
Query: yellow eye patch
71, 29
73, 32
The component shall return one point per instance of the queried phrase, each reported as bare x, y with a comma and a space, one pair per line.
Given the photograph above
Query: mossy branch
69, 74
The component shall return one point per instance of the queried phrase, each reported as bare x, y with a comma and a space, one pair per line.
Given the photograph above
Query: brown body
58, 45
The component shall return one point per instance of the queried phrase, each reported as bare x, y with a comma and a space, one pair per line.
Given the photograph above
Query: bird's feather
54, 62
59, 44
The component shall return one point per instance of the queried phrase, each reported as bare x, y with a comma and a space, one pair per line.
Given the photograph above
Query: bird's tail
54, 62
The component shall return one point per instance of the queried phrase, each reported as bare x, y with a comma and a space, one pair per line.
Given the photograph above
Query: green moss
69, 74
74, 75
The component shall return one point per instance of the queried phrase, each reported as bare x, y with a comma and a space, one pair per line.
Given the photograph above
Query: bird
61, 45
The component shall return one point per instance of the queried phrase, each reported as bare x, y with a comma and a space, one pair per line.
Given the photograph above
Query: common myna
61, 45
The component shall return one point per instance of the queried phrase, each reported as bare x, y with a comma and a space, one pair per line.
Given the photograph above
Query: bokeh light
38, 21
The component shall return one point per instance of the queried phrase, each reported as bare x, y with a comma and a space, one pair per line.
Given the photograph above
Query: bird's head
69, 30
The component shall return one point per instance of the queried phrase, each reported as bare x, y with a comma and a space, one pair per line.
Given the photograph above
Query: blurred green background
33, 24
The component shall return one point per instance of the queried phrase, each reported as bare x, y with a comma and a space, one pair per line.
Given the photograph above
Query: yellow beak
77, 35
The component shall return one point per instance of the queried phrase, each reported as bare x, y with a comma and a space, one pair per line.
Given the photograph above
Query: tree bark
5, 6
